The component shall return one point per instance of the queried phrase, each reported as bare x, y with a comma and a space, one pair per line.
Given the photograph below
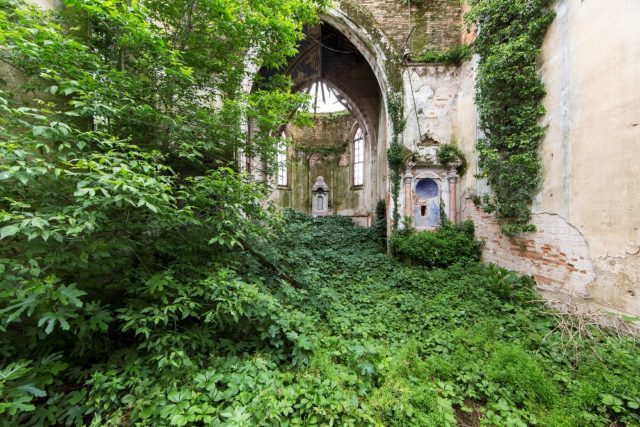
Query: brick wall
437, 22
331, 132
557, 255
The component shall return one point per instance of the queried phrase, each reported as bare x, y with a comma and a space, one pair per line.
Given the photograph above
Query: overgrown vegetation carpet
401, 345
365, 340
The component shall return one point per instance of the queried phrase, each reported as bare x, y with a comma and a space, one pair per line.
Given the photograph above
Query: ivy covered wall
325, 150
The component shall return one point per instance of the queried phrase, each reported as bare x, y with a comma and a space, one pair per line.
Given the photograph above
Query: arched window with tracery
358, 158
283, 175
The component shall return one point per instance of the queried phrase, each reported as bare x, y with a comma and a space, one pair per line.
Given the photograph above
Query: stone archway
344, 54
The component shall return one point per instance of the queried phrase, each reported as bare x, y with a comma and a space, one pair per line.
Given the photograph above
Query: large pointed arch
356, 60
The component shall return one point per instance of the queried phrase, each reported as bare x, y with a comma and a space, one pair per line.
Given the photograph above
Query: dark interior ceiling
326, 54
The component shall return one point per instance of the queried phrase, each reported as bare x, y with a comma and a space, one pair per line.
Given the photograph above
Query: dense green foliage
117, 213
455, 55
449, 155
138, 279
509, 95
442, 248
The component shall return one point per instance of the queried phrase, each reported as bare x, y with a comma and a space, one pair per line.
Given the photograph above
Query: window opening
283, 178
358, 158
324, 99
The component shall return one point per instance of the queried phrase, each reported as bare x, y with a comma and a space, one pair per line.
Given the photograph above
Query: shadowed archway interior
333, 148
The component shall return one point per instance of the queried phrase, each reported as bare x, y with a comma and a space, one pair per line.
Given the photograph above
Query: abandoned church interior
585, 250
320, 213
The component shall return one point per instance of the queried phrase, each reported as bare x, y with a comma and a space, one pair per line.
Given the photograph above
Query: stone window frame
283, 180
358, 129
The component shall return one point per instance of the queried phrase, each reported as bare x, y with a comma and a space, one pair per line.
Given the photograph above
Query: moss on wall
323, 150
364, 19
437, 26
328, 137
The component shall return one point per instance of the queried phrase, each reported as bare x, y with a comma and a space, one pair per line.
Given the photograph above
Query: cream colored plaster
590, 65
430, 103
466, 130
591, 153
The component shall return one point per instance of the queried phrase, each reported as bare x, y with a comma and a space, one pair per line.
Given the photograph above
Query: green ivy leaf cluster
455, 55
397, 153
450, 244
449, 154
509, 94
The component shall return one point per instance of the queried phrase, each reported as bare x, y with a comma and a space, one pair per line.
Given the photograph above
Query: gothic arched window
283, 176
358, 158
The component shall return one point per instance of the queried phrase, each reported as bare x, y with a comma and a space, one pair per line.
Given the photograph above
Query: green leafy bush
453, 56
121, 227
449, 154
442, 248
379, 229
508, 285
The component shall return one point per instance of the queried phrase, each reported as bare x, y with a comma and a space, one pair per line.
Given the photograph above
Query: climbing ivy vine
509, 94
396, 154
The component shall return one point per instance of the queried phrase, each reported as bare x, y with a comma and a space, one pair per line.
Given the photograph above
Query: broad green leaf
9, 230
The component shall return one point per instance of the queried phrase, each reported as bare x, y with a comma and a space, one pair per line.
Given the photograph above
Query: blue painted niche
427, 188
427, 210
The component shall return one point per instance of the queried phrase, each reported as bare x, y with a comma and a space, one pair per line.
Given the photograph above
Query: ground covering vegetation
142, 281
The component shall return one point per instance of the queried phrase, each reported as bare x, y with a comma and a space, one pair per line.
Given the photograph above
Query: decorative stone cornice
320, 185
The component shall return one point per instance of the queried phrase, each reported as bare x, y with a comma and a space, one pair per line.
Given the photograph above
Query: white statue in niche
320, 200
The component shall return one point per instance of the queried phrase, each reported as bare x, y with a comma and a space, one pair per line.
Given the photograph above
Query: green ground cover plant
443, 346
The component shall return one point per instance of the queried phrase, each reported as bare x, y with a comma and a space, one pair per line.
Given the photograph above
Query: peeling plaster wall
557, 254
589, 205
431, 113
591, 69
466, 129
431, 93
